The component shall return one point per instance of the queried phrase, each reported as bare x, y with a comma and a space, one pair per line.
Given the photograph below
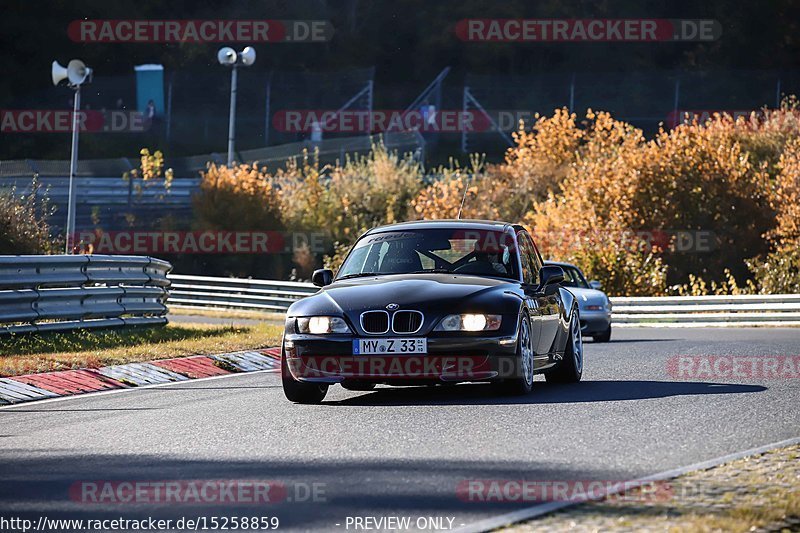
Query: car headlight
594, 308
469, 322
320, 325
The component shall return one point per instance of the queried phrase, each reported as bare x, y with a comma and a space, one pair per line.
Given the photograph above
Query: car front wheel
522, 382
297, 391
570, 369
603, 337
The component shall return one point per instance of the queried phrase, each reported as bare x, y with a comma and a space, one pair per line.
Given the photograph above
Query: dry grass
738, 520
772, 507
24, 354
212, 312
758, 493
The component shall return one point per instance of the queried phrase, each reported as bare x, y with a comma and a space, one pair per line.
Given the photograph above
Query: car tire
603, 337
570, 369
522, 383
299, 392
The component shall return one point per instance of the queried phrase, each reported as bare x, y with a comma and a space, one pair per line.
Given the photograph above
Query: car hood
433, 294
588, 296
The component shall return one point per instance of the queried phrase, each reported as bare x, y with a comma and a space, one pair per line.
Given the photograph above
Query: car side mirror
322, 277
550, 275
596, 285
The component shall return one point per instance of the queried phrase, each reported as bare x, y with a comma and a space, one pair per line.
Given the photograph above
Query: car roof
487, 225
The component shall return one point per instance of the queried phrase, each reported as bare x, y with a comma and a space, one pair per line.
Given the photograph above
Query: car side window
533, 257
536, 263
570, 277
525, 258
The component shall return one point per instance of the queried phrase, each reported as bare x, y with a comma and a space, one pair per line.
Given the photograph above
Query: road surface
396, 452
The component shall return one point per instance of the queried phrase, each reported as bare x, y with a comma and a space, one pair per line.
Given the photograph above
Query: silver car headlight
321, 325
469, 322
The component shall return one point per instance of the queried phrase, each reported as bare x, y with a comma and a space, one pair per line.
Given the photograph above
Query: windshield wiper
358, 275
423, 271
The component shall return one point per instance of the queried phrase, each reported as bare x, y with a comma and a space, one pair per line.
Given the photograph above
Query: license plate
389, 346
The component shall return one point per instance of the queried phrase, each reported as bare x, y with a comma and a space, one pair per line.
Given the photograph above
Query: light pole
75, 74
228, 57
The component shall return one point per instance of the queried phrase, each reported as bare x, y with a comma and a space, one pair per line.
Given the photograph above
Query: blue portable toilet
150, 86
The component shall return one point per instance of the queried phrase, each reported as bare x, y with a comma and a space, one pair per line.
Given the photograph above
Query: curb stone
31, 387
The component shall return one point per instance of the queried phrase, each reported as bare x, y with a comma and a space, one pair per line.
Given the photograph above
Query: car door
534, 300
548, 303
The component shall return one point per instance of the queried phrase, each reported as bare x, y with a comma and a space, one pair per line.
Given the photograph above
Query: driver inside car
486, 262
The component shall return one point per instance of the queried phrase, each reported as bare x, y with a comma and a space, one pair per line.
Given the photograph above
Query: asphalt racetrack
396, 452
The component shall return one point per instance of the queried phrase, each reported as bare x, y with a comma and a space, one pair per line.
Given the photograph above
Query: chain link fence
644, 99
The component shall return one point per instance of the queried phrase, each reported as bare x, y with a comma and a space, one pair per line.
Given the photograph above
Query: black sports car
434, 302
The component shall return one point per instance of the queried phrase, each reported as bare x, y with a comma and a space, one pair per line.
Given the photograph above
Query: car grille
375, 322
406, 321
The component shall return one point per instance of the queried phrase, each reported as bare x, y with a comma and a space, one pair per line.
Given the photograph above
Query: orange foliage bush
786, 198
470, 191
238, 198
591, 220
595, 191
779, 271
344, 200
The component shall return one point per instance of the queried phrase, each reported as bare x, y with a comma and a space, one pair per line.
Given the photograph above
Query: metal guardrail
64, 292
755, 309
277, 296
104, 199
108, 202
328, 150
236, 293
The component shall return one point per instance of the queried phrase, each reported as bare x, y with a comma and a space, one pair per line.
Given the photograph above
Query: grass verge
31, 353
212, 312
758, 493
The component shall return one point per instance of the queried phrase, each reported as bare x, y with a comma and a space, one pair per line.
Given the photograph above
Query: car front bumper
594, 322
330, 359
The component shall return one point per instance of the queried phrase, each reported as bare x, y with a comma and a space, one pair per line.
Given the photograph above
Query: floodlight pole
232, 118
73, 168
231, 58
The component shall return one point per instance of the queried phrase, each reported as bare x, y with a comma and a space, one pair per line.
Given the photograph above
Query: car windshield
574, 278
456, 250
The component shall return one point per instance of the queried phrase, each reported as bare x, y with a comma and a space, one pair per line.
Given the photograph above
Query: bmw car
434, 303
594, 305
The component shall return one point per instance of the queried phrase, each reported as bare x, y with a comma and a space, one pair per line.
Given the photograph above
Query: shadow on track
35, 484
199, 387
47, 409
587, 391
629, 341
